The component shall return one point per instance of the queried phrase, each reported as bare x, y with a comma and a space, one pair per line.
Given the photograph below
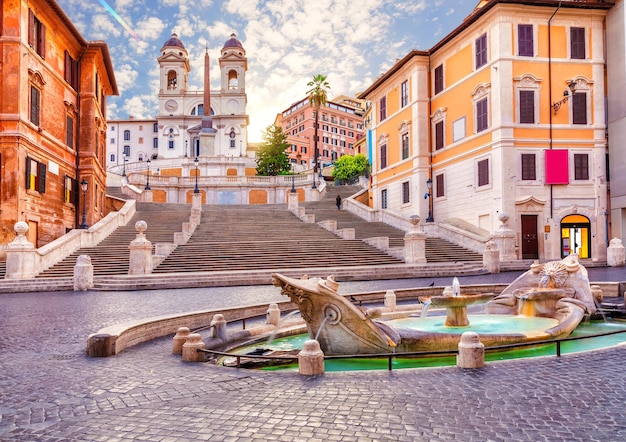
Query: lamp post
148, 176
293, 178
124, 166
83, 186
429, 195
196, 190
566, 94
314, 174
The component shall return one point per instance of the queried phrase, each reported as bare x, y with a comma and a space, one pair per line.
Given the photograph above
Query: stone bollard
491, 257
218, 328
22, 259
390, 300
191, 347
272, 316
615, 256
471, 351
179, 340
140, 262
83, 273
311, 359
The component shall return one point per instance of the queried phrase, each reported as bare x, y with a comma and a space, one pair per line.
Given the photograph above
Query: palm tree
317, 98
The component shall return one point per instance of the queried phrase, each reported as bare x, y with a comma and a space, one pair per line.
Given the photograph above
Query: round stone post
218, 328
21, 255
179, 340
272, 316
415, 243
191, 347
491, 257
471, 351
83, 273
390, 300
311, 359
140, 262
615, 253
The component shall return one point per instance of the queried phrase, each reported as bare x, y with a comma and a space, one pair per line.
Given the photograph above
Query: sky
287, 43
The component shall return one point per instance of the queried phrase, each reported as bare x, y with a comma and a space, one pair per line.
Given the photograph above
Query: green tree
318, 95
349, 167
272, 158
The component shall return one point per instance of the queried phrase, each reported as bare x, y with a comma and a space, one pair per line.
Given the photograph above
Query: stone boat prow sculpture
558, 290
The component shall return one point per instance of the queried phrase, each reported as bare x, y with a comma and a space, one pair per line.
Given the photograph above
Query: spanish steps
262, 237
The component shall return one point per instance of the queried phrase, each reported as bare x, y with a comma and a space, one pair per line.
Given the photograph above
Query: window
481, 51
35, 105
70, 194
383, 108
438, 79
483, 172
383, 199
36, 34
404, 93
126, 135
482, 121
527, 107
405, 146
112, 158
294, 148
326, 140
383, 156
127, 151
325, 153
170, 144
155, 143
140, 140
155, 127
439, 142
525, 46
303, 148
71, 71
69, 131
579, 108
333, 130
439, 186
35, 175
581, 166
528, 166
325, 127
577, 43
406, 196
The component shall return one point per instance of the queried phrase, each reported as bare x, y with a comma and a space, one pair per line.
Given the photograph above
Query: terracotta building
340, 126
53, 89
501, 125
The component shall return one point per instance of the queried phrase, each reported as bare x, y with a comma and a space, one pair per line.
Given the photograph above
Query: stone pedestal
471, 351
22, 258
190, 351
292, 201
83, 273
179, 340
311, 359
140, 262
390, 300
504, 239
615, 256
415, 243
196, 202
273, 315
491, 258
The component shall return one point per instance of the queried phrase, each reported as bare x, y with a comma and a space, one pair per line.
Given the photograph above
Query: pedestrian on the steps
338, 202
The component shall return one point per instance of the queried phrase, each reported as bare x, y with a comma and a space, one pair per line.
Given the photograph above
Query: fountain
555, 295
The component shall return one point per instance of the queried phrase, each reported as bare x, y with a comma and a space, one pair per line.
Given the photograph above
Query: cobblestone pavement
51, 391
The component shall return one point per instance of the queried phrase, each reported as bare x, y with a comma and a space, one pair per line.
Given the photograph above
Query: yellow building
502, 120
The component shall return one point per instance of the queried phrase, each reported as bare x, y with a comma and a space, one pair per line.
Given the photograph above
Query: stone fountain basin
458, 301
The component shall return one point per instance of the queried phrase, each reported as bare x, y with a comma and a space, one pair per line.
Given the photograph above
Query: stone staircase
237, 238
111, 256
117, 193
437, 250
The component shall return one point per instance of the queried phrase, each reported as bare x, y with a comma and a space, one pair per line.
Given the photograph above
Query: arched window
233, 80
126, 135
171, 80
112, 158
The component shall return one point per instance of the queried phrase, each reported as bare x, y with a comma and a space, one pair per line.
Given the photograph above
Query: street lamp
148, 176
293, 178
196, 190
83, 186
124, 167
314, 174
566, 94
429, 196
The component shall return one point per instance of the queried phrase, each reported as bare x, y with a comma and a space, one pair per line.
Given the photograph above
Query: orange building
502, 120
340, 126
53, 89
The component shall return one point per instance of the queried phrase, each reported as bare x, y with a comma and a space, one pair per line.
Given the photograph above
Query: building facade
340, 127
502, 125
53, 89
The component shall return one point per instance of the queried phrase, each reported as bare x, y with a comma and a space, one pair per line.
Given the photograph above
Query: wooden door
530, 241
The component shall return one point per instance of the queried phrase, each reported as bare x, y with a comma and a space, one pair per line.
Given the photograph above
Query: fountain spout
456, 287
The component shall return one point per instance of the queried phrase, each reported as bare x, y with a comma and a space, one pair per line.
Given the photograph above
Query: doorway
575, 237
530, 242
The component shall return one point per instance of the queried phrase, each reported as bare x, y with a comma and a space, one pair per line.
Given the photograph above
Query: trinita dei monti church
204, 124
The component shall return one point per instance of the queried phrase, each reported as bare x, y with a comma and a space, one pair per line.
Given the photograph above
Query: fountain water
272, 336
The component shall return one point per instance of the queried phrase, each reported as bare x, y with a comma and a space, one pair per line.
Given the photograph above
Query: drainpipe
550, 94
77, 141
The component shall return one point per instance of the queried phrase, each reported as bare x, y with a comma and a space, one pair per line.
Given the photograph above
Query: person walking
338, 202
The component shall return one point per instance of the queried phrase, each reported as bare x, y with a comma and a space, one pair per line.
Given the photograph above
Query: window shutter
31, 29
42, 178
28, 160
579, 113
